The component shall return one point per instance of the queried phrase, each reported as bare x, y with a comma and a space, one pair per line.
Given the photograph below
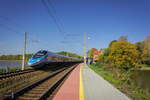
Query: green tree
104, 57
69, 54
124, 55
140, 46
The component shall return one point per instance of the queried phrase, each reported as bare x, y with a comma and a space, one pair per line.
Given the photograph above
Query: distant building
96, 55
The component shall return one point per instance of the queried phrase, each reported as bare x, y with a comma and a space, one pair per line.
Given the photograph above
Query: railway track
11, 83
43, 88
11, 74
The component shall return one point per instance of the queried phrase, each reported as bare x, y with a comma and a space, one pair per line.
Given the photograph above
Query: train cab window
40, 54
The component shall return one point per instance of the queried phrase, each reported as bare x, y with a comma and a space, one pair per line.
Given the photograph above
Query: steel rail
35, 84
10, 74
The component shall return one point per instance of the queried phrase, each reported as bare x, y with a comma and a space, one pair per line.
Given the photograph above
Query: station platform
85, 84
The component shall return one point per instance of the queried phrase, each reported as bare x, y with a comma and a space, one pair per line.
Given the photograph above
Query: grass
128, 89
105, 74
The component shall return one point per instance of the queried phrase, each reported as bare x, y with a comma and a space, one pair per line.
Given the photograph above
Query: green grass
105, 74
128, 89
139, 94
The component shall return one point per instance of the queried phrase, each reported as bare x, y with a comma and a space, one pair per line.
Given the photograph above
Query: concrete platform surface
96, 88
84, 84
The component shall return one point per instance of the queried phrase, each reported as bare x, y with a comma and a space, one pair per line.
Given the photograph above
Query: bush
124, 55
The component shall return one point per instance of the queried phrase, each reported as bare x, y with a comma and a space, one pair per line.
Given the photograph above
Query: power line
55, 13
52, 16
52, 12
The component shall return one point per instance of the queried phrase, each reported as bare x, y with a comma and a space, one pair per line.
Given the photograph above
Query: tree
15, 57
69, 54
123, 38
146, 51
91, 52
140, 46
124, 55
112, 43
104, 57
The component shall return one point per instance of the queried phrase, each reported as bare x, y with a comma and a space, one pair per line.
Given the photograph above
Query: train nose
32, 61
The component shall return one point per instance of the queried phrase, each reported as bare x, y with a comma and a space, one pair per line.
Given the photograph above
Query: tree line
69, 54
27, 56
123, 54
15, 57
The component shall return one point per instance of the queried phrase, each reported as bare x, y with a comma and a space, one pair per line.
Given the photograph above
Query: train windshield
40, 54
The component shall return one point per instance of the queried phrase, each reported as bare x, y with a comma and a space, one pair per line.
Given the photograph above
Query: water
142, 79
7, 63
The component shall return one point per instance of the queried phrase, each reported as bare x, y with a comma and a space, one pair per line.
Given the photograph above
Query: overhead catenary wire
52, 12
60, 29
51, 4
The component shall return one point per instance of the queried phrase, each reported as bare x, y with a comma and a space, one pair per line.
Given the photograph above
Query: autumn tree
91, 52
123, 38
146, 51
124, 55
112, 43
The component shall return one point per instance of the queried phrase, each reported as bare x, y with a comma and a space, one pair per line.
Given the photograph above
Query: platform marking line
81, 90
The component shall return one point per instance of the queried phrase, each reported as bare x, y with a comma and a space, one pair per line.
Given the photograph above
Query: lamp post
24, 51
85, 55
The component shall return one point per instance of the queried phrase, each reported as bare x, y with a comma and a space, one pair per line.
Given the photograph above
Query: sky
59, 25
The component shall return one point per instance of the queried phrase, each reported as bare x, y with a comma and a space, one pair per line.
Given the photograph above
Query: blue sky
103, 20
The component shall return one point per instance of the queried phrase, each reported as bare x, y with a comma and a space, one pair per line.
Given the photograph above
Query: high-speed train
43, 57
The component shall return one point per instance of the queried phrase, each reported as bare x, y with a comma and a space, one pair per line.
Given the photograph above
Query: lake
8, 63
142, 79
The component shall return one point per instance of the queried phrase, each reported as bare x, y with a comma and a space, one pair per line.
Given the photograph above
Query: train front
38, 60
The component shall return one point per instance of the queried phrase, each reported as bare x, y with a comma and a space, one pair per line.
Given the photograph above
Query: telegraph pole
24, 51
85, 48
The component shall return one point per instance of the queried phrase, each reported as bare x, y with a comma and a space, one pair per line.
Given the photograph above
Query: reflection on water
142, 79
7, 63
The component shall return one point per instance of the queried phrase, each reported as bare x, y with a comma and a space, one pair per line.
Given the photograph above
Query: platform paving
96, 88
70, 89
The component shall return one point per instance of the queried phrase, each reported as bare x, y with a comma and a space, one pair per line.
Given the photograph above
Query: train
42, 57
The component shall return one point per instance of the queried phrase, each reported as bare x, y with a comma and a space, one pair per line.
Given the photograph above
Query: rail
10, 74
46, 89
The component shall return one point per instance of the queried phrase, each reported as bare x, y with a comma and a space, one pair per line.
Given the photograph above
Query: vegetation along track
43, 88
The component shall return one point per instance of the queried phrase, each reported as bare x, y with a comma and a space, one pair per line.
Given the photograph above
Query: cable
55, 13
52, 16
52, 13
